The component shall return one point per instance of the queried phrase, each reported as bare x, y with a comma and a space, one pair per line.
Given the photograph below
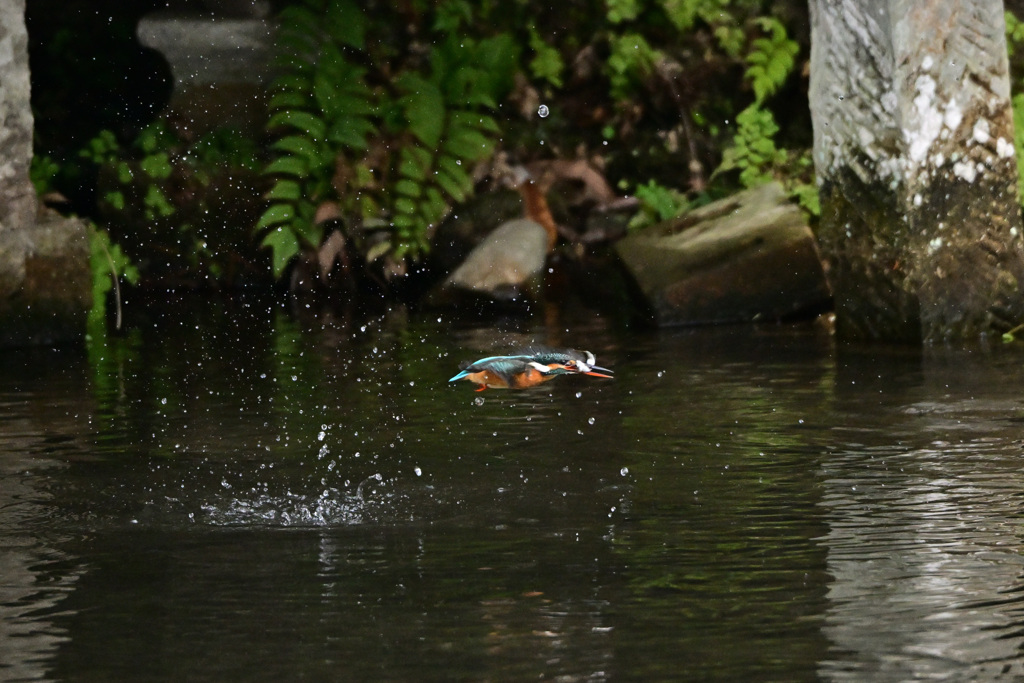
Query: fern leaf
291, 82
435, 203
284, 246
275, 215
424, 110
468, 144
289, 165
300, 120
351, 133
451, 185
410, 167
284, 190
408, 188
286, 99
300, 146
405, 205
346, 23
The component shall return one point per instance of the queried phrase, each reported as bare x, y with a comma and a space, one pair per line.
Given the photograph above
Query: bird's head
587, 366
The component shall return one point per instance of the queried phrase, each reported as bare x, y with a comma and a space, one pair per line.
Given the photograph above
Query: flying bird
529, 369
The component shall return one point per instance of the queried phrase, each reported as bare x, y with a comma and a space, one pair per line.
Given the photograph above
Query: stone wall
45, 281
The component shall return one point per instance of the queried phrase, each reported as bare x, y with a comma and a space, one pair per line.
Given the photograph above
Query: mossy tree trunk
45, 281
913, 146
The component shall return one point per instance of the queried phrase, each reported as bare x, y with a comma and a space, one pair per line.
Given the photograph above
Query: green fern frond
771, 58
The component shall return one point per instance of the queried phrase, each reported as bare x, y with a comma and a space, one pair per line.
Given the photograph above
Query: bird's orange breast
486, 378
529, 378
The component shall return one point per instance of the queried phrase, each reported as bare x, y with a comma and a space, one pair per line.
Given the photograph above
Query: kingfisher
529, 369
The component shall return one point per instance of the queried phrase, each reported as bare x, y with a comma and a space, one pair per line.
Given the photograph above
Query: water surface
231, 492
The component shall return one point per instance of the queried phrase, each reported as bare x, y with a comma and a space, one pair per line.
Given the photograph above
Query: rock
750, 257
914, 158
220, 64
45, 280
503, 265
469, 224
46, 288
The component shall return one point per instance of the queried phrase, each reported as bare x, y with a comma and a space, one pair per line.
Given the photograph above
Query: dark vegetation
377, 128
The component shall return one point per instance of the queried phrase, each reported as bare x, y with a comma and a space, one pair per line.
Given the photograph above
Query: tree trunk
45, 282
913, 146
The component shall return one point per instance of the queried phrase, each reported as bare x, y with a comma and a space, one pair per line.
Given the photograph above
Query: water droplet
418, 471
624, 471
321, 435
579, 394
591, 421
478, 401
543, 111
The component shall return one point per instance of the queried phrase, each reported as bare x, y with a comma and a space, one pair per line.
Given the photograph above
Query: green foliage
153, 167
684, 13
753, 152
547, 63
1018, 138
321, 106
380, 120
160, 198
757, 159
1010, 335
109, 265
1014, 38
43, 173
398, 144
770, 59
806, 195
622, 10
1014, 33
657, 203
631, 61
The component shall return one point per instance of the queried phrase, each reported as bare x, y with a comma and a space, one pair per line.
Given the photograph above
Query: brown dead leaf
327, 211
589, 184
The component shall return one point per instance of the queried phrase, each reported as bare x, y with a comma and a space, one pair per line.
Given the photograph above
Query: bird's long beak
596, 371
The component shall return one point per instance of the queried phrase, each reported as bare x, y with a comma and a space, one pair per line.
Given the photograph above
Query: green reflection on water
272, 498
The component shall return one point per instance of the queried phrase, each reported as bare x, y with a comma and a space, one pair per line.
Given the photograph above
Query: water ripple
916, 537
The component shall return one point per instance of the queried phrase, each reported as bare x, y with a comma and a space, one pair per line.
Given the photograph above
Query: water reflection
924, 540
249, 496
35, 575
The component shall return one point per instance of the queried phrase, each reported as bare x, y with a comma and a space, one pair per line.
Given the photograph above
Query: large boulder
506, 265
749, 257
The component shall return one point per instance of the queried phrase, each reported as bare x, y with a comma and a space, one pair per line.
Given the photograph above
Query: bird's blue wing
498, 364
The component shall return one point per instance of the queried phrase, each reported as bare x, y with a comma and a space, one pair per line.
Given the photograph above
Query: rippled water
229, 492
